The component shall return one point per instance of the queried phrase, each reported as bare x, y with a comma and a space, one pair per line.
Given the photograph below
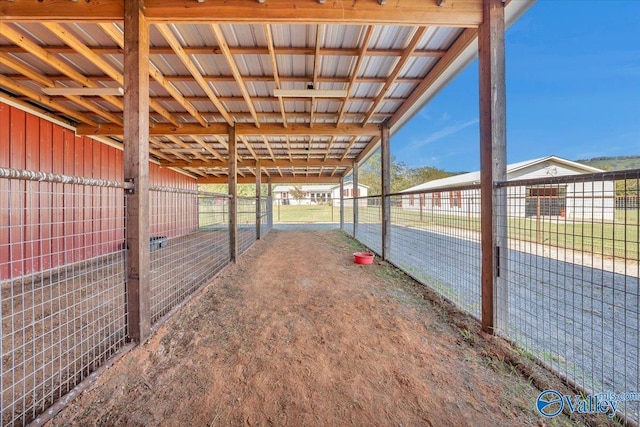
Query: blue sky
573, 90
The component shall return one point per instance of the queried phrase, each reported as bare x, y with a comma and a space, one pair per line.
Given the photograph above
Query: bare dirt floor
296, 334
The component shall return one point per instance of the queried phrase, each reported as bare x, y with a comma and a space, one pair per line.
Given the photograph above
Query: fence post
233, 192
136, 168
258, 201
341, 203
493, 166
354, 195
269, 203
386, 189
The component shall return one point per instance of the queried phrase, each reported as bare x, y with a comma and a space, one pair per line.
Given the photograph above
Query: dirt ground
297, 334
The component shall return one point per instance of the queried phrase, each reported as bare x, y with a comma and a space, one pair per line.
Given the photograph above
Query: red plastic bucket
363, 258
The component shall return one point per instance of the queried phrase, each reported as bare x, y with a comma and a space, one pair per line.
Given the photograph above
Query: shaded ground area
297, 334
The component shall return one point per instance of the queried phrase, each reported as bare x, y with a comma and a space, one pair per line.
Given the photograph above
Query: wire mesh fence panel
189, 243
435, 238
309, 211
265, 215
347, 211
62, 281
573, 278
247, 234
369, 225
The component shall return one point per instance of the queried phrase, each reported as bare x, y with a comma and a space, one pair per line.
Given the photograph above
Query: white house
317, 194
577, 199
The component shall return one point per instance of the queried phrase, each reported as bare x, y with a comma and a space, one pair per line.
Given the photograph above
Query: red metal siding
46, 225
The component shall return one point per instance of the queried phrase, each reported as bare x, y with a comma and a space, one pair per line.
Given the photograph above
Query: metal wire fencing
573, 278
571, 296
247, 233
189, 243
62, 280
435, 238
266, 215
369, 228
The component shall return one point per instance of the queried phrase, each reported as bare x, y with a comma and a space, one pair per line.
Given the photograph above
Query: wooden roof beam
222, 43
188, 63
117, 36
70, 40
17, 37
356, 70
239, 50
274, 66
413, 43
279, 163
461, 13
44, 100
22, 68
207, 147
316, 70
286, 179
161, 129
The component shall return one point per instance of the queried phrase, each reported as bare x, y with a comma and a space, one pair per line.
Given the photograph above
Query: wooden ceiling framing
216, 64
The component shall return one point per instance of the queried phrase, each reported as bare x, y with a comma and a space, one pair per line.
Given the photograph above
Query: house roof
474, 177
216, 65
309, 188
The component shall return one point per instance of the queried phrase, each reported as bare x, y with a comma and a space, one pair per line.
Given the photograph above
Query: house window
411, 200
435, 200
455, 199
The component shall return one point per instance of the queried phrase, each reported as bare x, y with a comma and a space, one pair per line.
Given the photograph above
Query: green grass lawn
618, 238
305, 213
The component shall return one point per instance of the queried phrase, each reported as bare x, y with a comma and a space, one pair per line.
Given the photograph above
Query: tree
297, 193
402, 177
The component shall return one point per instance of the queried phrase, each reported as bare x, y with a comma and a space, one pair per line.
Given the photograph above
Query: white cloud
443, 133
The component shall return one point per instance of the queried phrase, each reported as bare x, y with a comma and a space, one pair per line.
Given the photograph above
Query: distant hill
613, 163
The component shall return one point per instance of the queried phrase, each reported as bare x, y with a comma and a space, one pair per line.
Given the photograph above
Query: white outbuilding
578, 198
318, 194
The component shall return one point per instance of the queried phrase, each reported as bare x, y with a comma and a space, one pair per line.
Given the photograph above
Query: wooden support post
136, 168
233, 192
258, 201
341, 203
355, 201
269, 203
493, 166
385, 143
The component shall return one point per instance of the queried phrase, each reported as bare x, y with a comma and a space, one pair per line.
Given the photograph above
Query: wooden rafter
349, 147
356, 70
462, 42
70, 40
17, 37
180, 143
222, 43
316, 70
117, 36
207, 147
248, 145
188, 63
274, 66
417, 36
268, 145
44, 100
331, 141
21, 67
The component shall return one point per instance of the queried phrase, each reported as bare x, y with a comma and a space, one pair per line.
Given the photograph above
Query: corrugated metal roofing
324, 54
